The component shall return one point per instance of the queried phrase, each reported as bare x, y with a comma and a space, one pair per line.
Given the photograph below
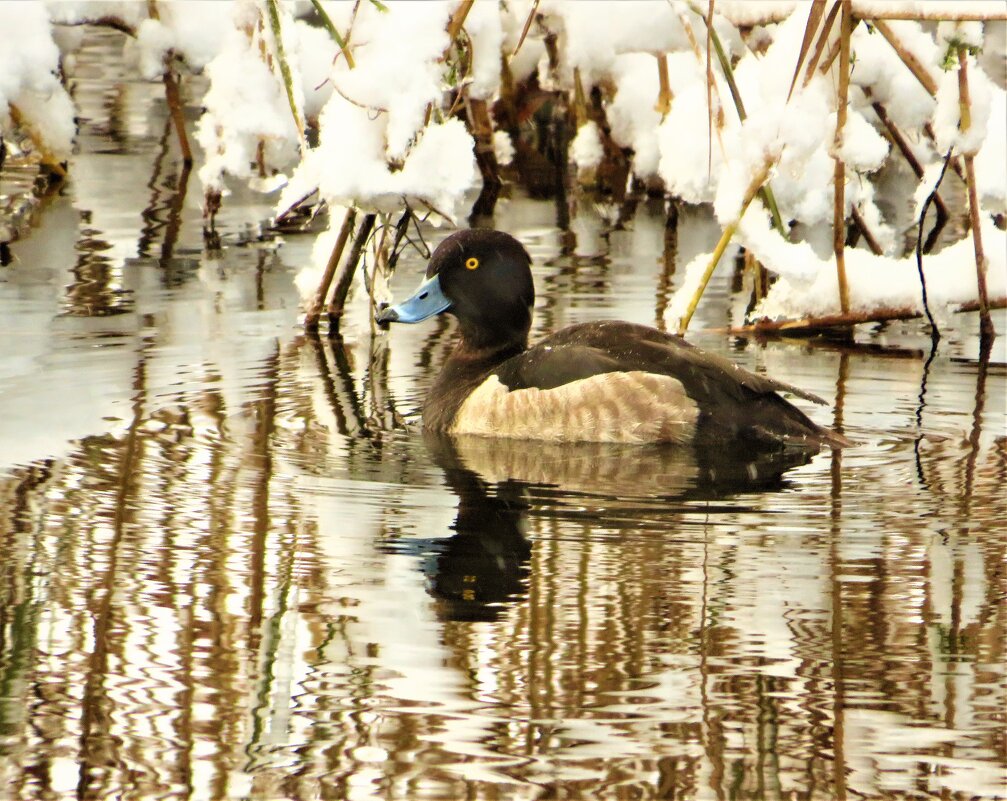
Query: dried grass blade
814, 17
756, 183
527, 27
823, 39
288, 78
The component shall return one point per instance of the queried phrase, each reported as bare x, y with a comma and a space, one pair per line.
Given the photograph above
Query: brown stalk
664, 95
527, 27
986, 329
830, 59
814, 17
315, 309
903, 145
865, 231
839, 207
823, 39
338, 303
48, 159
913, 63
458, 19
883, 315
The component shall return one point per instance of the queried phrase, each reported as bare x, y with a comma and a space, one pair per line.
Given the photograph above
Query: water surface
233, 567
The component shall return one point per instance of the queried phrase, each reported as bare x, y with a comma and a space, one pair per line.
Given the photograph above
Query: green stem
331, 28
766, 193
288, 79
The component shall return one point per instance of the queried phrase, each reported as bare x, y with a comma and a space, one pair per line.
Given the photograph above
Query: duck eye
471, 263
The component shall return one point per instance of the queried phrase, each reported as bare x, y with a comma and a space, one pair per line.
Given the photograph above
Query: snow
947, 115
29, 62
586, 148
503, 148
878, 281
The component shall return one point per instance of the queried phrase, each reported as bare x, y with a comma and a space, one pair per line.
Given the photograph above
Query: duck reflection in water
485, 564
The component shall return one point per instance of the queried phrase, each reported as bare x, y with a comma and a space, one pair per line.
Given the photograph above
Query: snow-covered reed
381, 107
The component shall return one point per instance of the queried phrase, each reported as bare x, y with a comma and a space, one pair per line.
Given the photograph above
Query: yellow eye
471, 263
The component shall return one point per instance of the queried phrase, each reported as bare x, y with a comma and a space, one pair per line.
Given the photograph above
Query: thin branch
865, 230
342, 288
823, 39
814, 17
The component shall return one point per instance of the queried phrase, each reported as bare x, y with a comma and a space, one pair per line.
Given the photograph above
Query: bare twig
823, 39
47, 156
458, 19
903, 145
865, 231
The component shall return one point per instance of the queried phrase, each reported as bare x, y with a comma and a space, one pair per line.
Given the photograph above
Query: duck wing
589, 349
732, 402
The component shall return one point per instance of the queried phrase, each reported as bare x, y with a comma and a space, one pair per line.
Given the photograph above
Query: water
232, 566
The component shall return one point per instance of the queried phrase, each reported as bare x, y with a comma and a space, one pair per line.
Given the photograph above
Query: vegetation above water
779, 114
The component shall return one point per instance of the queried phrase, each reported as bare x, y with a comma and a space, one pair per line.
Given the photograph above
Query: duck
604, 381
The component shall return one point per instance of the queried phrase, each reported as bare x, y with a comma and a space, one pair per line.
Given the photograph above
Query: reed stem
338, 303
331, 28
318, 302
986, 328
839, 176
288, 78
729, 230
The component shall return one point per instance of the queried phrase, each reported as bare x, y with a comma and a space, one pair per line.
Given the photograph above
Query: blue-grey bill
427, 301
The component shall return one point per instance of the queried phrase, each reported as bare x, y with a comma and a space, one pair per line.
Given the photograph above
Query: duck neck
466, 368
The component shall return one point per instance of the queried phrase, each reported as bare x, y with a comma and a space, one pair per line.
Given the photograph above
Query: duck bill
427, 301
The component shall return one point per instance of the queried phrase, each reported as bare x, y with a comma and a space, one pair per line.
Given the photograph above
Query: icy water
231, 566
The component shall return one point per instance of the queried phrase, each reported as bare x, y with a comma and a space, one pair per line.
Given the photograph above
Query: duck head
482, 277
